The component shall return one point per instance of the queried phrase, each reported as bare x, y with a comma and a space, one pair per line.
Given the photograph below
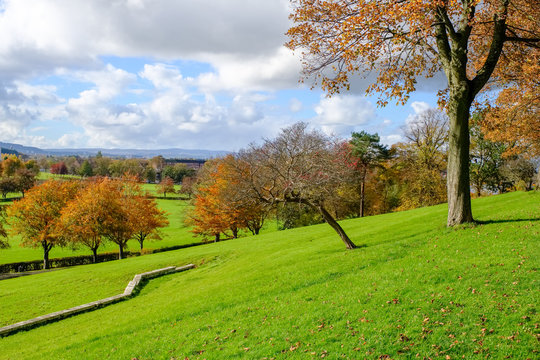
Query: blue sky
198, 74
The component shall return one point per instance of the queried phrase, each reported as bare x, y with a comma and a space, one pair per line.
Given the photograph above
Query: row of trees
304, 177
148, 170
16, 175
85, 213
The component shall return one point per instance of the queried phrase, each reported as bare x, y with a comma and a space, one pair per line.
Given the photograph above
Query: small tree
7, 185
166, 186
86, 169
59, 168
188, 185
146, 219
367, 152
36, 217
25, 179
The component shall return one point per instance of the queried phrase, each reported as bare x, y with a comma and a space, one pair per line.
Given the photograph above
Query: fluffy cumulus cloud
342, 114
240, 40
153, 74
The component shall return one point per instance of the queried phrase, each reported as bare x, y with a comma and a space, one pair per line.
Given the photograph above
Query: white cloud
47, 34
295, 105
342, 114
391, 139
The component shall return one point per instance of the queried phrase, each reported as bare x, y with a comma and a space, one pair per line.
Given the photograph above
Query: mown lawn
416, 289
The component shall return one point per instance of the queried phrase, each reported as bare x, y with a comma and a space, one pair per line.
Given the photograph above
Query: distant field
414, 290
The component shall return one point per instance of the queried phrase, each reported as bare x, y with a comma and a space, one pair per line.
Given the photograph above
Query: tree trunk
46, 250
216, 238
94, 255
334, 224
362, 198
458, 184
121, 251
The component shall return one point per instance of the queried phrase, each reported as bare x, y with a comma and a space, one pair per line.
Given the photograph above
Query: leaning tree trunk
458, 184
334, 224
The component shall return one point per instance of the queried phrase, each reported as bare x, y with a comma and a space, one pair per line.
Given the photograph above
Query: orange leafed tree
212, 215
146, 218
166, 186
36, 217
85, 220
514, 117
470, 41
222, 204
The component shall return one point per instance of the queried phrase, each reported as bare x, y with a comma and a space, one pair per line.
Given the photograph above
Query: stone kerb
58, 315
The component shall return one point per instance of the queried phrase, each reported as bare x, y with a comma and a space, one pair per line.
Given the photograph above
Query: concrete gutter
132, 286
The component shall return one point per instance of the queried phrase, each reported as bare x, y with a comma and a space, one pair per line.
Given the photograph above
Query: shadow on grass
501, 221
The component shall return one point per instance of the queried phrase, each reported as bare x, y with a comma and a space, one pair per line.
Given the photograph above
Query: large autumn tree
36, 217
470, 41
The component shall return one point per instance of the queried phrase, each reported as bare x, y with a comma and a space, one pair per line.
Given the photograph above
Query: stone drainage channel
130, 288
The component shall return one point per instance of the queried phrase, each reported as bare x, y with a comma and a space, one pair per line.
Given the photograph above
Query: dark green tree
86, 169
367, 152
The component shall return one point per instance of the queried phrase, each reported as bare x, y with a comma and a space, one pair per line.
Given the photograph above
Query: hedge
61, 262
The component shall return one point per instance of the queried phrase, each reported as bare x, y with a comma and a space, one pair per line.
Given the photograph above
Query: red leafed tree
36, 217
59, 168
470, 41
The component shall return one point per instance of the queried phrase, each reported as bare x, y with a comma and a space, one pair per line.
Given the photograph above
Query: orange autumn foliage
36, 217
221, 206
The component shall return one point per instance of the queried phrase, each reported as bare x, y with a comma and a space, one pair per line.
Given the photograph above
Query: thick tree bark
335, 225
458, 183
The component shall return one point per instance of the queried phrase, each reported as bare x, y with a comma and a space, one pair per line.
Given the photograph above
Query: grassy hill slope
414, 288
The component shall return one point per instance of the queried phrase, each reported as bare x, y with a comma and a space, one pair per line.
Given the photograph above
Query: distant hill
166, 153
8, 151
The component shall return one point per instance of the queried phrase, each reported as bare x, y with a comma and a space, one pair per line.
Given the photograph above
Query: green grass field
415, 289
